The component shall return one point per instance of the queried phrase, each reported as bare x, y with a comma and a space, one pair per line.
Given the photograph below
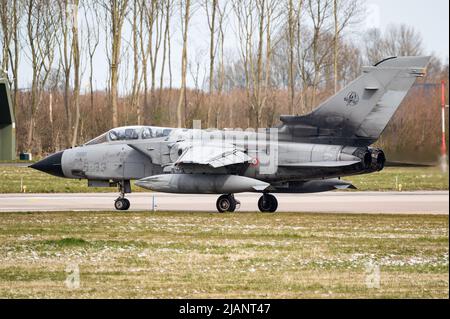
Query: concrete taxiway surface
342, 202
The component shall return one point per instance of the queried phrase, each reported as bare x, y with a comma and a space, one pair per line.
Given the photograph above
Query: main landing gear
121, 203
267, 203
227, 203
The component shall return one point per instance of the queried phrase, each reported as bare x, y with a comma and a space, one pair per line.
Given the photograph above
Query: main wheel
226, 203
127, 204
268, 203
122, 204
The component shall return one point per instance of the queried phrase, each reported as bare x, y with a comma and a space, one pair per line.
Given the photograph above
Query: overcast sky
429, 17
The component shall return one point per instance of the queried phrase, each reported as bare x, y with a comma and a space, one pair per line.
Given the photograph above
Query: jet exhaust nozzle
202, 184
364, 155
378, 159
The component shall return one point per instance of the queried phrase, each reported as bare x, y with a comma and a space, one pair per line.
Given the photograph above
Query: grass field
407, 179
202, 255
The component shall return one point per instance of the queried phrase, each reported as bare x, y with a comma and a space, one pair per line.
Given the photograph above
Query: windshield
98, 140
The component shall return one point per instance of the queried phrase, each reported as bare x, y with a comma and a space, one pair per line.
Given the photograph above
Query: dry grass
402, 178
204, 255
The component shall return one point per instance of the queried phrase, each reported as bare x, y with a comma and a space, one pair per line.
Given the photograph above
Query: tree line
287, 56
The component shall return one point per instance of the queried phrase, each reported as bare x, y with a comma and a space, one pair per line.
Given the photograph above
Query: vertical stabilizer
359, 113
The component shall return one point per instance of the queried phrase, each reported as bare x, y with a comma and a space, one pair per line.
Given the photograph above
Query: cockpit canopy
130, 133
151, 132
123, 133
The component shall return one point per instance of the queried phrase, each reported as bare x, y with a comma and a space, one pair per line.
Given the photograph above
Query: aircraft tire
127, 204
268, 203
226, 203
122, 204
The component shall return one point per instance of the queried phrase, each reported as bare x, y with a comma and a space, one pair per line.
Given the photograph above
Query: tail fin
359, 113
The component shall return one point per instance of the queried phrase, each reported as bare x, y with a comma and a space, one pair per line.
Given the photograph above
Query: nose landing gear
121, 203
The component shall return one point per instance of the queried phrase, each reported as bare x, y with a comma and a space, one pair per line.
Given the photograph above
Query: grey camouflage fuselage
304, 154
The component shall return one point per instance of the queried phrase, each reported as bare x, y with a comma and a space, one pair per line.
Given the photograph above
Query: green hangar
7, 124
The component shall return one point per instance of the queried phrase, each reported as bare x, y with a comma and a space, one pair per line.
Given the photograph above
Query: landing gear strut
227, 203
267, 203
121, 203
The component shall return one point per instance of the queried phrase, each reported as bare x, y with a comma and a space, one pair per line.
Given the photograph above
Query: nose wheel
268, 203
227, 203
121, 203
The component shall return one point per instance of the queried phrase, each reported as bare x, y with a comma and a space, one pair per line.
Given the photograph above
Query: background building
7, 124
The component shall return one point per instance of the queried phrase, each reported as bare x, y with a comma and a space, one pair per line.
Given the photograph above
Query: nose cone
50, 165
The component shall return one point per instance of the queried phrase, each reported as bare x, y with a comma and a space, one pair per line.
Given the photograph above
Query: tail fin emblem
352, 98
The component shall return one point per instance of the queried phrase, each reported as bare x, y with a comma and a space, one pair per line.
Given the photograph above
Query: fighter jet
304, 154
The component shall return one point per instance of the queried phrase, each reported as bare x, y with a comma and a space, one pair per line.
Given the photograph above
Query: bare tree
257, 72
17, 12
6, 33
185, 6
221, 11
398, 40
278, 65
300, 53
211, 17
221, 14
271, 24
92, 21
167, 14
243, 11
136, 17
10, 12
319, 12
291, 41
211, 13
116, 12
41, 35
154, 20
65, 52
402, 40
255, 23
335, 45
76, 69
373, 46
144, 53
319, 41
345, 12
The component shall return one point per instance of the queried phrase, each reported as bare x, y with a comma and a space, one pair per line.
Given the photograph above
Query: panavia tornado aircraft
304, 154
